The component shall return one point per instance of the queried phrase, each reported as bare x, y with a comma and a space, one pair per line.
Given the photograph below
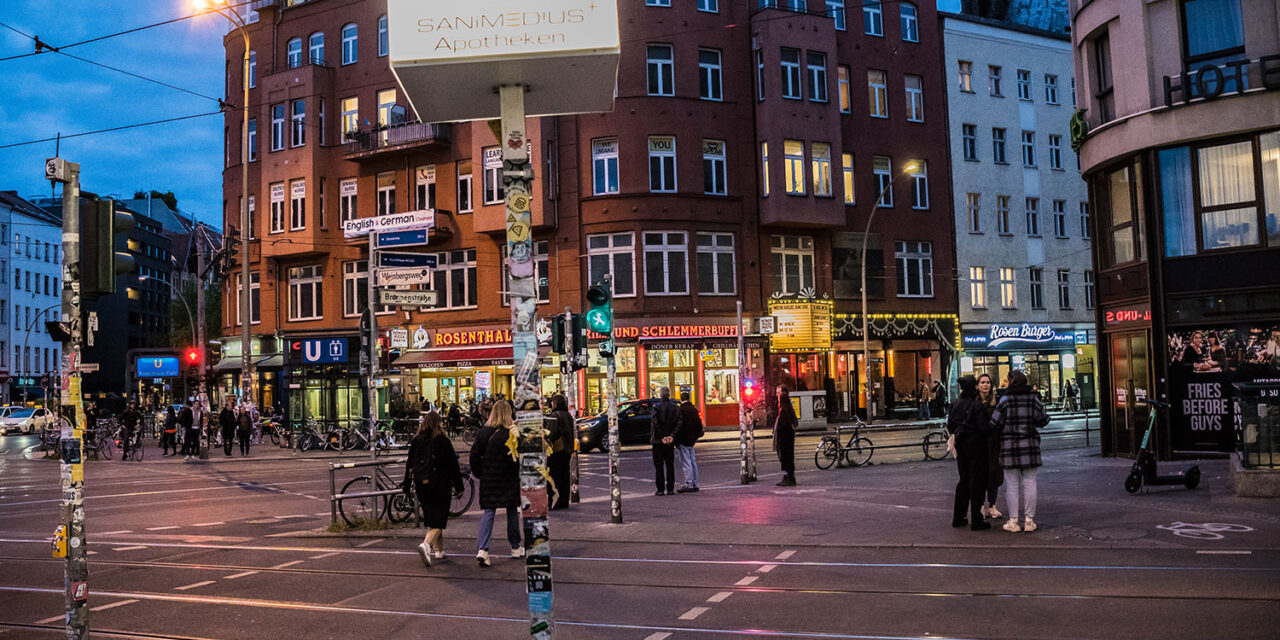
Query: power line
119, 128
140, 77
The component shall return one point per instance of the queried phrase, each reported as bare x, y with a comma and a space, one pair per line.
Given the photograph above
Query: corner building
727, 171
1180, 145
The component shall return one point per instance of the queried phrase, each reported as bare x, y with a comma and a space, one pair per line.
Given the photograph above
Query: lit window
821, 161
915, 97
966, 76
842, 87
878, 93
846, 161
793, 157
1008, 288
978, 287
350, 116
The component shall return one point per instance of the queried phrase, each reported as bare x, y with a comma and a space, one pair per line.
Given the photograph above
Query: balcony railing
362, 144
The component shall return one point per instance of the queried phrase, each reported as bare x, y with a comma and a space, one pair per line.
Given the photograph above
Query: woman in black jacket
499, 471
560, 442
968, 423
784, 437
432, 470
995, 473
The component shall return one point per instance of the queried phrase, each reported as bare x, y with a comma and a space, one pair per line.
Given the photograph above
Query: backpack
426, 466
699, 430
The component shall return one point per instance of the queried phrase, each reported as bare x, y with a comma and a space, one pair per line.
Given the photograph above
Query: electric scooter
1144, 467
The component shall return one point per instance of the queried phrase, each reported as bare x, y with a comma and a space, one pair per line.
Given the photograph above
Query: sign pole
744, 473
526, 391
615, 447
570, 374
372, 338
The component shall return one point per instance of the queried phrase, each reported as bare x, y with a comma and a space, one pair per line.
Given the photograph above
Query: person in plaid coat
1018, 418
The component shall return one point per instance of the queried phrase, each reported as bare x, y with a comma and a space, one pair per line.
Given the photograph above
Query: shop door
1130, 381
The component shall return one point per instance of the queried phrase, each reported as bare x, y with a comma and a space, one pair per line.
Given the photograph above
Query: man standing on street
688, 430
662, 429
227, 421
190, 433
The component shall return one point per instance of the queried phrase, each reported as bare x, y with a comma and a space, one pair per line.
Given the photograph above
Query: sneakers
425, 553
1029, 525
659, 492
687, 490
787, 481
1012, 526
517, 552
994, 513
482, 557
439, 554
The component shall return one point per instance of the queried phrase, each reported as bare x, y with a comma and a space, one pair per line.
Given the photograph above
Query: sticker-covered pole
517, 180
371, 336
570, 373
615, 448
744, 471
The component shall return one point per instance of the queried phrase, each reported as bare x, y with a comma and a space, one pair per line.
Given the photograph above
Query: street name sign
423, 219
396, 277
400, 298
390, 259
410, 238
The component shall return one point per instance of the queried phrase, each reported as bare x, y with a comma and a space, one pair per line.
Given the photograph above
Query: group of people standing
235, 422
674, 429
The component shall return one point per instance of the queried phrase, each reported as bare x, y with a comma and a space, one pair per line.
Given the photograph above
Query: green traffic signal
599, 321
600, 309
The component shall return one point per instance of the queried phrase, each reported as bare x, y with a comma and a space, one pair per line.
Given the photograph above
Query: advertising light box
166, 367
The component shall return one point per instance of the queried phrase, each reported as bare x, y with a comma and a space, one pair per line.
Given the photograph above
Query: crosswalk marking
287, 564
785, 554
720, 597
694, 613
746, 581
193, 586
164, 528
117, 603
134, 548
53, 619
767, 568
239, 575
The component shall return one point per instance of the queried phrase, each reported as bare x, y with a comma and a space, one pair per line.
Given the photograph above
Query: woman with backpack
432, 472
1018, 417
494, 460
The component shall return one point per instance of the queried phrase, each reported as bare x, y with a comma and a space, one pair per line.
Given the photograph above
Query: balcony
362, 145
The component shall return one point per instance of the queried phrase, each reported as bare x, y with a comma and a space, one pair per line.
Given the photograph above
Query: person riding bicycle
129, 420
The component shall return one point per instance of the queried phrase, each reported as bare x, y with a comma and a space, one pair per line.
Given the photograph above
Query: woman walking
967, 423
784, 437
494, 461
995, 476
244, 428
432, 471
560, 442
1018, 417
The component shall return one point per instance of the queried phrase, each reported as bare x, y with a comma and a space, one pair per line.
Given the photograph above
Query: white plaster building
30, 294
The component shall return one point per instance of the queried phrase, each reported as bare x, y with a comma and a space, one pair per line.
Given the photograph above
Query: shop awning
276, 360
233, 364
455, 357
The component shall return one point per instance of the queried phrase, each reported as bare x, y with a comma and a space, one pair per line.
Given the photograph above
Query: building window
298, 124
350, 116
1060, 218
306, 293
997, 145
604, 166
1037, 287
1055, 152
1124, 219
978, 287
355, 287
817, 65
759, 75
349, 41
842, 89
1090, 295
383, 47
1064, 289
253, 69
277, 207
293, 53
277, 127
716, 269
1104, 97
910, 22
846, 168
1033, 216
973, 209
1008, 289
1228, 196
253, 139
1050, 88
965, 71
424, 187
1002, 215
872, 18
821, 153
1024, 84
492, 177
709, 72
1084, 220
920, 186
657, 3
714, 168
1028, 148
969, 141
347, 200
915, 98
882, 167
660, 70
542, 267
993, 81
878, 93
320, 116
1213, 33
662, 164
614, 254
790, 59
793, 156
792, 264
665, 260
315, 48
297, 205
835, 10
915, 269
764, 169
455, 280
253, 217
464, 187
709, 6
386, 193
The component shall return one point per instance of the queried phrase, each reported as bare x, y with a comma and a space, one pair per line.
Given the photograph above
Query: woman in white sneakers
1018, 417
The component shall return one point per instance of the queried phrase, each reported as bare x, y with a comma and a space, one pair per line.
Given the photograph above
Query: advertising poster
1204, 365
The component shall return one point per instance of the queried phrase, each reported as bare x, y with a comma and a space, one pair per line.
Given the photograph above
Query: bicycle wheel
827, 454
275, 436
859, 453
138, 452
935, 446
106, 448
469, 435
401, 507
357, 511
462, 502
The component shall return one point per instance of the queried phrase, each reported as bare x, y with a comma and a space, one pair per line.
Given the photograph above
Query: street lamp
222, 8
910, 167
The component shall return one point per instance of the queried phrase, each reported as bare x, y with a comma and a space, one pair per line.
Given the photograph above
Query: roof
1040, 17
12, 200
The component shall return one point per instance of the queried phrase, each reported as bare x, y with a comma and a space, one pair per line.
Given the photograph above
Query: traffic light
230, 248
600, 309
191, 357
100, 263
557, 334
749, 391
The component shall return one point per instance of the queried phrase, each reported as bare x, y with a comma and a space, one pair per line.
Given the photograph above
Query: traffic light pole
201, 343
517, 178
745, 473
615, 446
570, 372
372, 339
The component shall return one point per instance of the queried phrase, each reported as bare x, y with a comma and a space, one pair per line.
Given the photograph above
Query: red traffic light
192, 356
749, 389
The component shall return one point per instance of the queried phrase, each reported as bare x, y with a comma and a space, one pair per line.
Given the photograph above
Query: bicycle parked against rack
856, 451
397, 507
934, 443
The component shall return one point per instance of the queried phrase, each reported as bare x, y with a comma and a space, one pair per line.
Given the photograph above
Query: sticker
519, 203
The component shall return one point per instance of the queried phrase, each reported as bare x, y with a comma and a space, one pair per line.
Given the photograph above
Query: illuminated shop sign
1019, 335
467, 338
1119, 317
671, 331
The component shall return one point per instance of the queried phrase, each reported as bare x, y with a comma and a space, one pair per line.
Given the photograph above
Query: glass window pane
1213, 25
706, 273
725, 272
1121, 206
1179, 210
1231, 228
675, 272
1270, 144
1226, 174
623, 274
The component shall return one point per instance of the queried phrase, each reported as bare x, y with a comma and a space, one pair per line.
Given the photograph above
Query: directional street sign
389, 259
410, 238
401, 298
395, 277
422, 220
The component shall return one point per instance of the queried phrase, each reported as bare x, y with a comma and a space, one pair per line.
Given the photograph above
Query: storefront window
672, 368
597, 380
798, 371
720, 375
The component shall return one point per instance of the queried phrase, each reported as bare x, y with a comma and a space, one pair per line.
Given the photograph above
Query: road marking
767, 568
164, 528
208, 524
694, 612
785, 554
298, 515
287, 564
720, 597
1222, 552
239, 575
53, 619
659, 635
193, 586
322, 513
117, 603
115, 533
128, 548
746, 581
91, 553
324, 555
370, 543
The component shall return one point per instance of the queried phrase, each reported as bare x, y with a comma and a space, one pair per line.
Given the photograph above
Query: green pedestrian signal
600, 309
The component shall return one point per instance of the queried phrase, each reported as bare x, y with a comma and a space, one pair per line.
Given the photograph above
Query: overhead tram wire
112, 129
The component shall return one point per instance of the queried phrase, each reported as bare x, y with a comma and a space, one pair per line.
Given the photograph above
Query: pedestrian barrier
372, 505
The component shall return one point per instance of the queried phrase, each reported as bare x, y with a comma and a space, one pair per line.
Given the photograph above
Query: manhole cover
1117, 533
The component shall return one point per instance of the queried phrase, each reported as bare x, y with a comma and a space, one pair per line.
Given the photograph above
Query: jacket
244, 421
786, 422
967, 421
500, 476
186, 419
438, 453
1018, 417
170, 423
995, 472
689, 426
939, 399
227, 419
560, 431
476, 457
665, 420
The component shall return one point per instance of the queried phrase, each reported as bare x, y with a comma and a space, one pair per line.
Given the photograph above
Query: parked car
633, 426
6, 411
26, 420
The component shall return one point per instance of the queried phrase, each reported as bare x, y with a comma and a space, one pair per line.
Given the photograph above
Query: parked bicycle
856, 451
934, 443
396, 507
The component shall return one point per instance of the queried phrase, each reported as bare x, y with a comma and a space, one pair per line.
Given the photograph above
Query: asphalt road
233, 549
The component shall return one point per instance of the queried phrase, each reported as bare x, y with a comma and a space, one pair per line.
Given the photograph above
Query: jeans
486, 528
688, 461
1020, 482
664, 466
924, 411
244, 436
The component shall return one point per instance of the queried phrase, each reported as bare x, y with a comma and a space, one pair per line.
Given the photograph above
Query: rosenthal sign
395, 277
390, 222
398, 298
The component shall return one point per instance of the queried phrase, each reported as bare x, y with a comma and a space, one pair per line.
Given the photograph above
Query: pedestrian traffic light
600, 309
100, 263
191, 357
748, 390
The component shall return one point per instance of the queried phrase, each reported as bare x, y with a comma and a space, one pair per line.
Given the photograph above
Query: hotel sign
1213, 80
802, 325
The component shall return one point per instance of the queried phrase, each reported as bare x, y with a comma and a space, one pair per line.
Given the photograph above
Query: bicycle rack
335, 497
